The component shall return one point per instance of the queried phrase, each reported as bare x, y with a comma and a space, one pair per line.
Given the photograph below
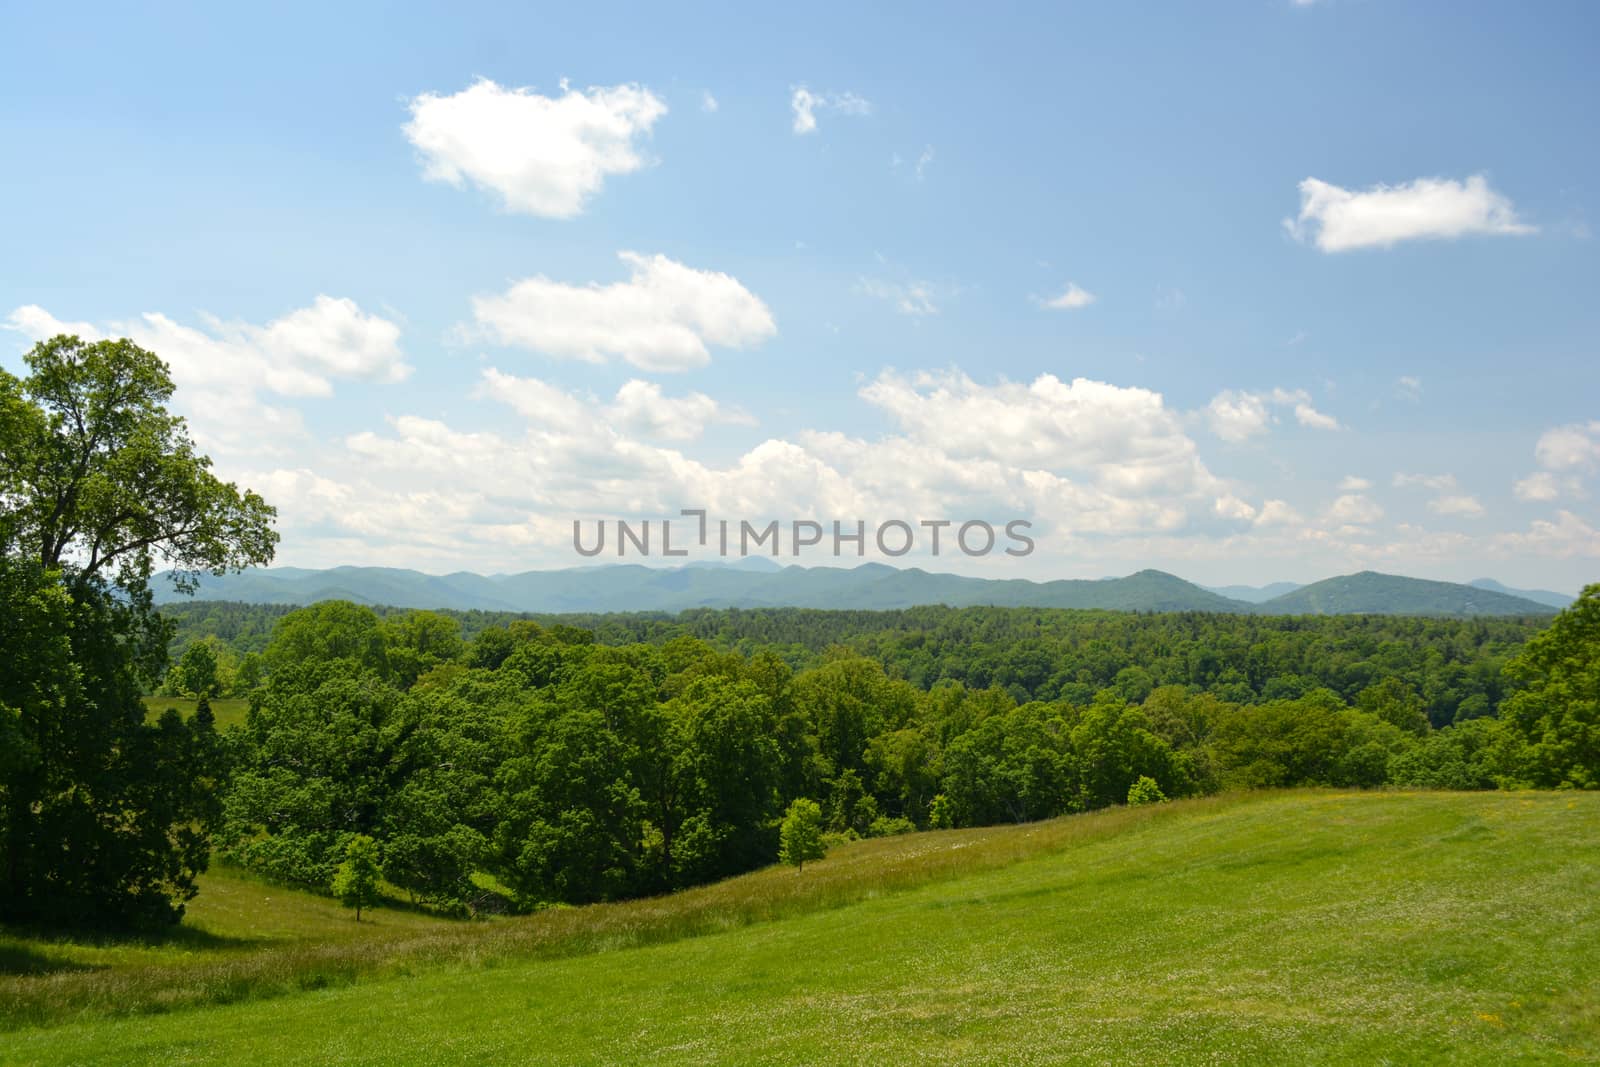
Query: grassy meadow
229, 711
1305, 927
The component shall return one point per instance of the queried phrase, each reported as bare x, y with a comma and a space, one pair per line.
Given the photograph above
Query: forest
575, 760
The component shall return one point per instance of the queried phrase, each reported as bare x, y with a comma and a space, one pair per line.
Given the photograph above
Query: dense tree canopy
103, 815
534, 764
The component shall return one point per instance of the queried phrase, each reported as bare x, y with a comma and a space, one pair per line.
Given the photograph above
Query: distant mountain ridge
1542, 596
1254, 594
871, 586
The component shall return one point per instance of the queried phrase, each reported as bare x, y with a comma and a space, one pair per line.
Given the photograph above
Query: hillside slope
1371, 593
1282, 928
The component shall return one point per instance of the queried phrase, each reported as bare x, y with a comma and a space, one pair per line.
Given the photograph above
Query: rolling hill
1371, 593
870, 586
1267, 928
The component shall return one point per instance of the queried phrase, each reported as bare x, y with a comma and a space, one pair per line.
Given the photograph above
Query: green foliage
1145, 791
1557, 710
196, 674
104, 817
355, 882
800, 836
572, 766
98, 474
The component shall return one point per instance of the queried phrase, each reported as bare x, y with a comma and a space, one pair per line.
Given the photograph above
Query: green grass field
1306, 927
229, 711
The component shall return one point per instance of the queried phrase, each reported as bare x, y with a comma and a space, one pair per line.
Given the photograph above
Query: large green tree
103, 816
1557, 708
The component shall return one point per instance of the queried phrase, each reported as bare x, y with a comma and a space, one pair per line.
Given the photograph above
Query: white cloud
805, 104
1278, 513
220, 372
663, 318
1304, 413
1426, 481
1237, 416
1567, 537
708, 103
1310, 416
36, 324
1408, 387
336, 338
639, 408
1338, 220
1229, 506
924, 160
1570, 448
1071, 298
1566, 454
1124, 440
1355, 509
1353, 484
543, 155
1456, 505
1539, 486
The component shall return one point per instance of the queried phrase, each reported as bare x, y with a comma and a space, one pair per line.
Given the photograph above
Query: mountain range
761, 582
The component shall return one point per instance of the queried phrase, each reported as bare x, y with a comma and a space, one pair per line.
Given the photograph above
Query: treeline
534, 764
1454, 666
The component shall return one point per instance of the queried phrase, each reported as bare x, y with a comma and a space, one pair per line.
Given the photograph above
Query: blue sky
1332, 270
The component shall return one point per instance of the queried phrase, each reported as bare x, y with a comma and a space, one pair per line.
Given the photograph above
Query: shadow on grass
177, 935
23, 960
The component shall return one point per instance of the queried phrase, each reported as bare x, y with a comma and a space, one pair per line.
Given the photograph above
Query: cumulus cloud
1237, 415
1539, 487
221, 370
1071, 298
1339, 220
1121, 438
1278, 513
664, 317
805, 105
1565, 537
1567, 454
1305, 414
542, 155
1353, 484
1570, 448
1456, 505
1355, 509
639, 408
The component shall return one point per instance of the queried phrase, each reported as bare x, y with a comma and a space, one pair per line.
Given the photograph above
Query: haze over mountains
872, 586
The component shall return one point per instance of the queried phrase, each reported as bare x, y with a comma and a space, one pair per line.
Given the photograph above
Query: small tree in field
1145, 791
355, 883
800, 836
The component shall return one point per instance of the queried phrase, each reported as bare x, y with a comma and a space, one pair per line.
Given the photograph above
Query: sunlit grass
229, 711
1299, 927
